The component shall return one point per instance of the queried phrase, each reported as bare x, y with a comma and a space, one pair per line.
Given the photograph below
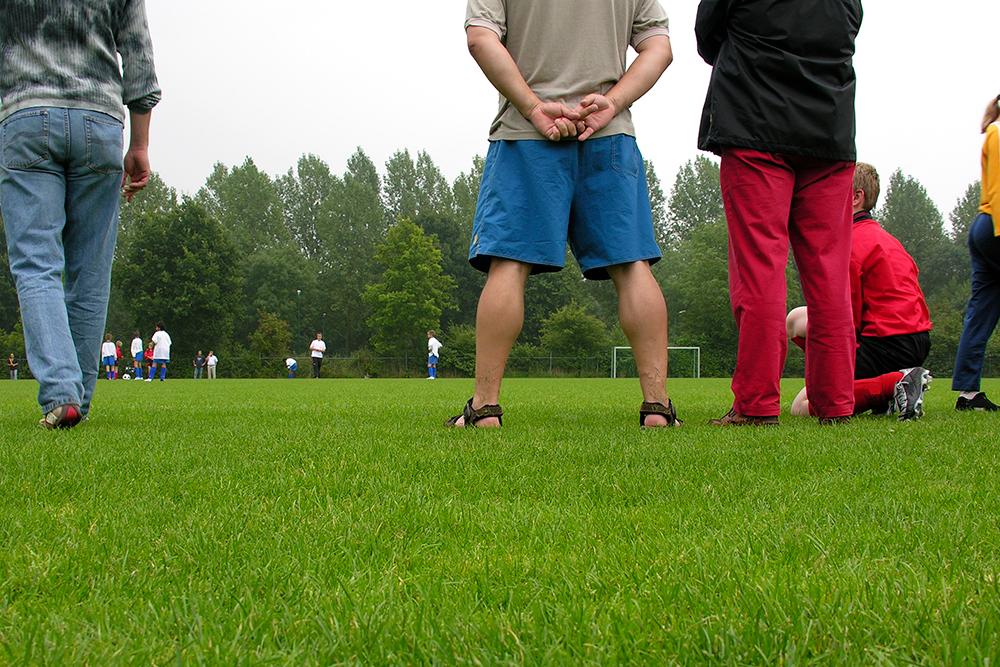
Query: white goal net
684, 362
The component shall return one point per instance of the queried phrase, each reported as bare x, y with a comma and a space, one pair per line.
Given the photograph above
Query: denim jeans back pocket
104, 144
26, 139
625, 156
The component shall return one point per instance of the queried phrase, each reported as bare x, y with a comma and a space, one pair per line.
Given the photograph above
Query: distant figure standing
118, 358
161, 353
983, 310
316, 350
211, 361
292, 366
108, 356
780, 113
198, 363
433, 348
136, 350
12, 366
62, 89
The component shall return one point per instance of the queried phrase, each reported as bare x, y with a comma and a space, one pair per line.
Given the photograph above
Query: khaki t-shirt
566, 49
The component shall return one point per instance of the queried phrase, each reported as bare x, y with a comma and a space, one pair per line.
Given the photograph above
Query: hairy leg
643, 315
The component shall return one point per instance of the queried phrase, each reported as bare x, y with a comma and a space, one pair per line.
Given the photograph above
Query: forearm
655, 55
500, 69
139, 130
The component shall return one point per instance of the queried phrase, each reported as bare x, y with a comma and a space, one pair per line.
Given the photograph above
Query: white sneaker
149, 379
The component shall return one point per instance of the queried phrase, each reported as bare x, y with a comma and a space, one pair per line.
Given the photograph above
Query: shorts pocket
625, 157
26, 139
104, 144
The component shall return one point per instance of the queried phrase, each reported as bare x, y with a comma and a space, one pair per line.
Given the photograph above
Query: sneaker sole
901, 400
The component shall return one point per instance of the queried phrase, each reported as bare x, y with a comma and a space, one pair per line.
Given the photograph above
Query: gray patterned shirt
64, 53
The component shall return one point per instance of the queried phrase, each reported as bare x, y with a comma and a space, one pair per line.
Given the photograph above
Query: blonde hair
992, 113
866, 180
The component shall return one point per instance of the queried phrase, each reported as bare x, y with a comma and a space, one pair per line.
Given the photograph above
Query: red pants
771, 199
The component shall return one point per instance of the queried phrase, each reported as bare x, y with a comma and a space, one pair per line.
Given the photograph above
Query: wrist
528, 107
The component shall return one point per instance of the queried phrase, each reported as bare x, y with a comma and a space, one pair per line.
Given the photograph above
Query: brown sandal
472, 416
667, 411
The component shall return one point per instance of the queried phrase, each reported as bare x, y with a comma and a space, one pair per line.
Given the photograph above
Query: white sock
969, 395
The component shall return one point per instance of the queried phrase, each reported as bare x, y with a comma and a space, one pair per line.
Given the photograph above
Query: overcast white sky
276, 80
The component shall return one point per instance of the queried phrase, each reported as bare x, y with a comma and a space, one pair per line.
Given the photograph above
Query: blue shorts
108, 361
536, 195
432, 360
138, 360
162, 362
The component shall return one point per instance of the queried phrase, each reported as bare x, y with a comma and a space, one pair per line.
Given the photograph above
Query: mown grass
320, 522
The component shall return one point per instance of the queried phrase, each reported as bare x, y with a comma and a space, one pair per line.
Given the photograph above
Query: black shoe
908, 399
978, 402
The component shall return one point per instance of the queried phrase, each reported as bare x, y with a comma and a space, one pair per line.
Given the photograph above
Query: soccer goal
685, 364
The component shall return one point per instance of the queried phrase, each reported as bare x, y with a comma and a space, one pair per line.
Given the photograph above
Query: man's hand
553, 120
595, 112
136, 175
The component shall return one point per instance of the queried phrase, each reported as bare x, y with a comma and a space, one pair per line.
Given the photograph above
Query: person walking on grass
62, 90
136, 350
780, 112
316, 350
12, 366
433, 353
891, 319
983, 309
161, 353
563, 164
211, 361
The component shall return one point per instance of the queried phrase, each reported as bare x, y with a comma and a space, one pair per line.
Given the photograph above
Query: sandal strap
470, 416
657, 408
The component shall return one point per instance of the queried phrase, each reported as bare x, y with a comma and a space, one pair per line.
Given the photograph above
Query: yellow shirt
990, 200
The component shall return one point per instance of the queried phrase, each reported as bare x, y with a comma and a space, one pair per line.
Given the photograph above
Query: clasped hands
556, 121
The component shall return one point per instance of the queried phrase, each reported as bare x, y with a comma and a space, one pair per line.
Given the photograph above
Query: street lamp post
298, 313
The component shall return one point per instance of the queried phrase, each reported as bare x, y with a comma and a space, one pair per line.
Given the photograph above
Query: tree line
251, 266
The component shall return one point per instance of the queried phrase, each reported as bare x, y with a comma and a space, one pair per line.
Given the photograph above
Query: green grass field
336, 521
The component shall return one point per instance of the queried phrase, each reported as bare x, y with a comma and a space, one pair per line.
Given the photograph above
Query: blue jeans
983, 311
60, 182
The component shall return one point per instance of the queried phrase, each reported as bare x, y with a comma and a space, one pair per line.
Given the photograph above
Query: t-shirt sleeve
650, 20
991, 173
491, 14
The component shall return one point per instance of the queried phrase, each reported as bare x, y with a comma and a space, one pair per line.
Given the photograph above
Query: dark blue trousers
983, 311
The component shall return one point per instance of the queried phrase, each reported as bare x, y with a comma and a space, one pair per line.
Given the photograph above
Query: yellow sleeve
990, 202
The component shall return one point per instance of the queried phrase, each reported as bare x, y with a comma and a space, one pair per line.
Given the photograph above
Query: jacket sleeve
141, 91
710, 28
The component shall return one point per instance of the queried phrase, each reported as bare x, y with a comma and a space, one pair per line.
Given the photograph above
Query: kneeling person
891, 318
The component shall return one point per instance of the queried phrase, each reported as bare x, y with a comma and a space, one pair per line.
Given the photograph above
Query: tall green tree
245, 200
571, 331
911, 216
304, 192
354, 225
695, 200
434, 194
658, 205
411, 293
965, 211
156, 198
400, 187
182, 270
272, 337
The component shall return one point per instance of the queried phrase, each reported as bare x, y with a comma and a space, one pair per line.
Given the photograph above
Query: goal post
623, 362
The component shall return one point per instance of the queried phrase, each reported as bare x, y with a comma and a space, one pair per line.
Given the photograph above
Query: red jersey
885, 293
148, 354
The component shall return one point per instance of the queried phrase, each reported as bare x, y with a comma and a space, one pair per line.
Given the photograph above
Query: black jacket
783, 79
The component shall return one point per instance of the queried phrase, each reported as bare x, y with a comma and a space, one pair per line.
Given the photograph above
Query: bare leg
498, 322
800, 405
643, 315
797, 322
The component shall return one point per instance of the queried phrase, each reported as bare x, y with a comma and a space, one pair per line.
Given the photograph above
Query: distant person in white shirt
136, 350
316, 349
161, 353
292, 366
109, 356
433, 348
211, 361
